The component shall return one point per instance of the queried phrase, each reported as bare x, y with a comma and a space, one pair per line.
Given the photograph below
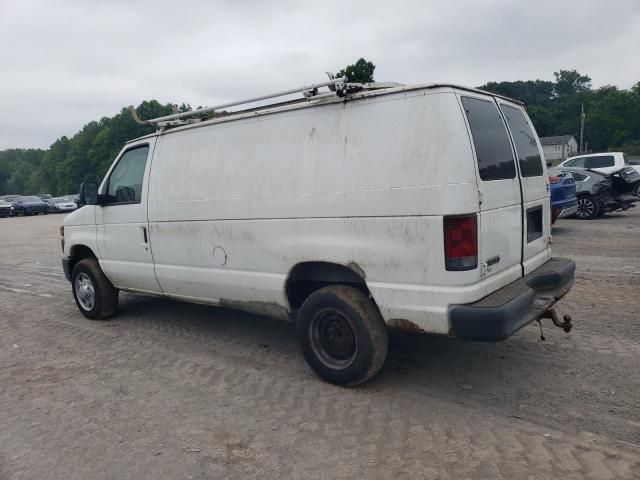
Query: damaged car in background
599, 193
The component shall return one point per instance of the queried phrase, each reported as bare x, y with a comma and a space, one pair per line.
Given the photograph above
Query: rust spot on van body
268, 309
356, 268
403, 324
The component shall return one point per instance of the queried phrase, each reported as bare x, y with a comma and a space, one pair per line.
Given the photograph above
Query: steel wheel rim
586, 208
85, 293
333, 339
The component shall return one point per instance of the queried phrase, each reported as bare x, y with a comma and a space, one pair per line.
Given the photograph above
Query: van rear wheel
95, 295
342, 335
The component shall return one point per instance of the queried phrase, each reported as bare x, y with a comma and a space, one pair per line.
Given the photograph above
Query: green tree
570, 82
359, 72
17, 182
612, 115
69, 161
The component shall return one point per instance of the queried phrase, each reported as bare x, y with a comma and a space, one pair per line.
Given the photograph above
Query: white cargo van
416, 207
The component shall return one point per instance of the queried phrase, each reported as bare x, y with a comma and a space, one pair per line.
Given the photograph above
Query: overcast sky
64, 63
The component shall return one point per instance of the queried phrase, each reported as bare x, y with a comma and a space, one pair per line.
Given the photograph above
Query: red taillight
553, 179
460, 243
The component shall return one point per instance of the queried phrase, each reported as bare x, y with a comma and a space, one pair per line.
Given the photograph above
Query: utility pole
582, 130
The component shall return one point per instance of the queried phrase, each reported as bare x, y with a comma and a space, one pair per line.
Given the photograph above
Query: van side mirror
89, 193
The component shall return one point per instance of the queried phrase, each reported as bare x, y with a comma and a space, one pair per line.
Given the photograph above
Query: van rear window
529, 156
490, 138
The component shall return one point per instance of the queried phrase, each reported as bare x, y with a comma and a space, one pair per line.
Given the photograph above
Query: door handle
145, 243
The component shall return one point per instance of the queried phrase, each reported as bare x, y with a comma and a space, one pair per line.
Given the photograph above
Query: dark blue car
30, 206
564, 202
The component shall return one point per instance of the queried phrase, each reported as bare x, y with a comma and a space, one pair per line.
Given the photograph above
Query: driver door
122, 224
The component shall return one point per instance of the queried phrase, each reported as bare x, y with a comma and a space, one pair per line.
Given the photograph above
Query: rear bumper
505, 311
566, 210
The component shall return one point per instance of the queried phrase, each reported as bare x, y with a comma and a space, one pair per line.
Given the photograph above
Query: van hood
85, 215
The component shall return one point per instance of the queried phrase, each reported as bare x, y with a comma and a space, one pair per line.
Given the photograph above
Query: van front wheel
94, 294
342, 335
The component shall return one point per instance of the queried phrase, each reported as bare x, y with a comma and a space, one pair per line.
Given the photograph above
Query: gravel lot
168, 390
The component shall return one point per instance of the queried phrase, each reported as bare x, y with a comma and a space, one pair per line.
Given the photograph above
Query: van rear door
500, 218
536, 206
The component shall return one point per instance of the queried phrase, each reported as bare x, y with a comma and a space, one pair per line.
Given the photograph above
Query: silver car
64, 204
6, 209
599, 193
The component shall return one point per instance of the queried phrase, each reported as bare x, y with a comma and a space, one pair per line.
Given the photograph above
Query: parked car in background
601, 162
10, 198
48, 199
30, 205
564, 202
64, 204
599, 193
6, 209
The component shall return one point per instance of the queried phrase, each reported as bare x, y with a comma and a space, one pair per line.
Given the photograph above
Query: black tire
105, 295
636, 192
342, 335
588, 208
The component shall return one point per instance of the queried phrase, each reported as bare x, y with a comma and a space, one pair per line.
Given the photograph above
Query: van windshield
529, 156
490, 139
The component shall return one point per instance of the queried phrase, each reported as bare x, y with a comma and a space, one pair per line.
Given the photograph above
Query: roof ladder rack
339, 86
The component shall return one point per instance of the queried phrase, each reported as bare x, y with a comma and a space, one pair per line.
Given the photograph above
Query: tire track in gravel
394, 429
242, 341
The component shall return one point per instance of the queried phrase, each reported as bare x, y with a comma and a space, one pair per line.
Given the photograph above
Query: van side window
493, 149
125, 181
525, 140
600, 161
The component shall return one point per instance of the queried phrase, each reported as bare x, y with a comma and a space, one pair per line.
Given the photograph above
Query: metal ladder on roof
337, 86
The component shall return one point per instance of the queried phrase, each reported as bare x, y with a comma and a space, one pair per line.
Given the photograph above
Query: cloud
65, 63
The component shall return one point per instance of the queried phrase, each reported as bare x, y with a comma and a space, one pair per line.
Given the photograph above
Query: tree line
86, 156
612, 115
612, 122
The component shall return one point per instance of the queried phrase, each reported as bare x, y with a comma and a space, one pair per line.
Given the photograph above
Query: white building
559, 148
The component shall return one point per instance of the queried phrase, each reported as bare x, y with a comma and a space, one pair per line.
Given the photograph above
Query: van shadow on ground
434, 361
521, 377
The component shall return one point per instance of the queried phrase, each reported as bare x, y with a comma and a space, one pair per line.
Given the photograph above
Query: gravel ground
170, 390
